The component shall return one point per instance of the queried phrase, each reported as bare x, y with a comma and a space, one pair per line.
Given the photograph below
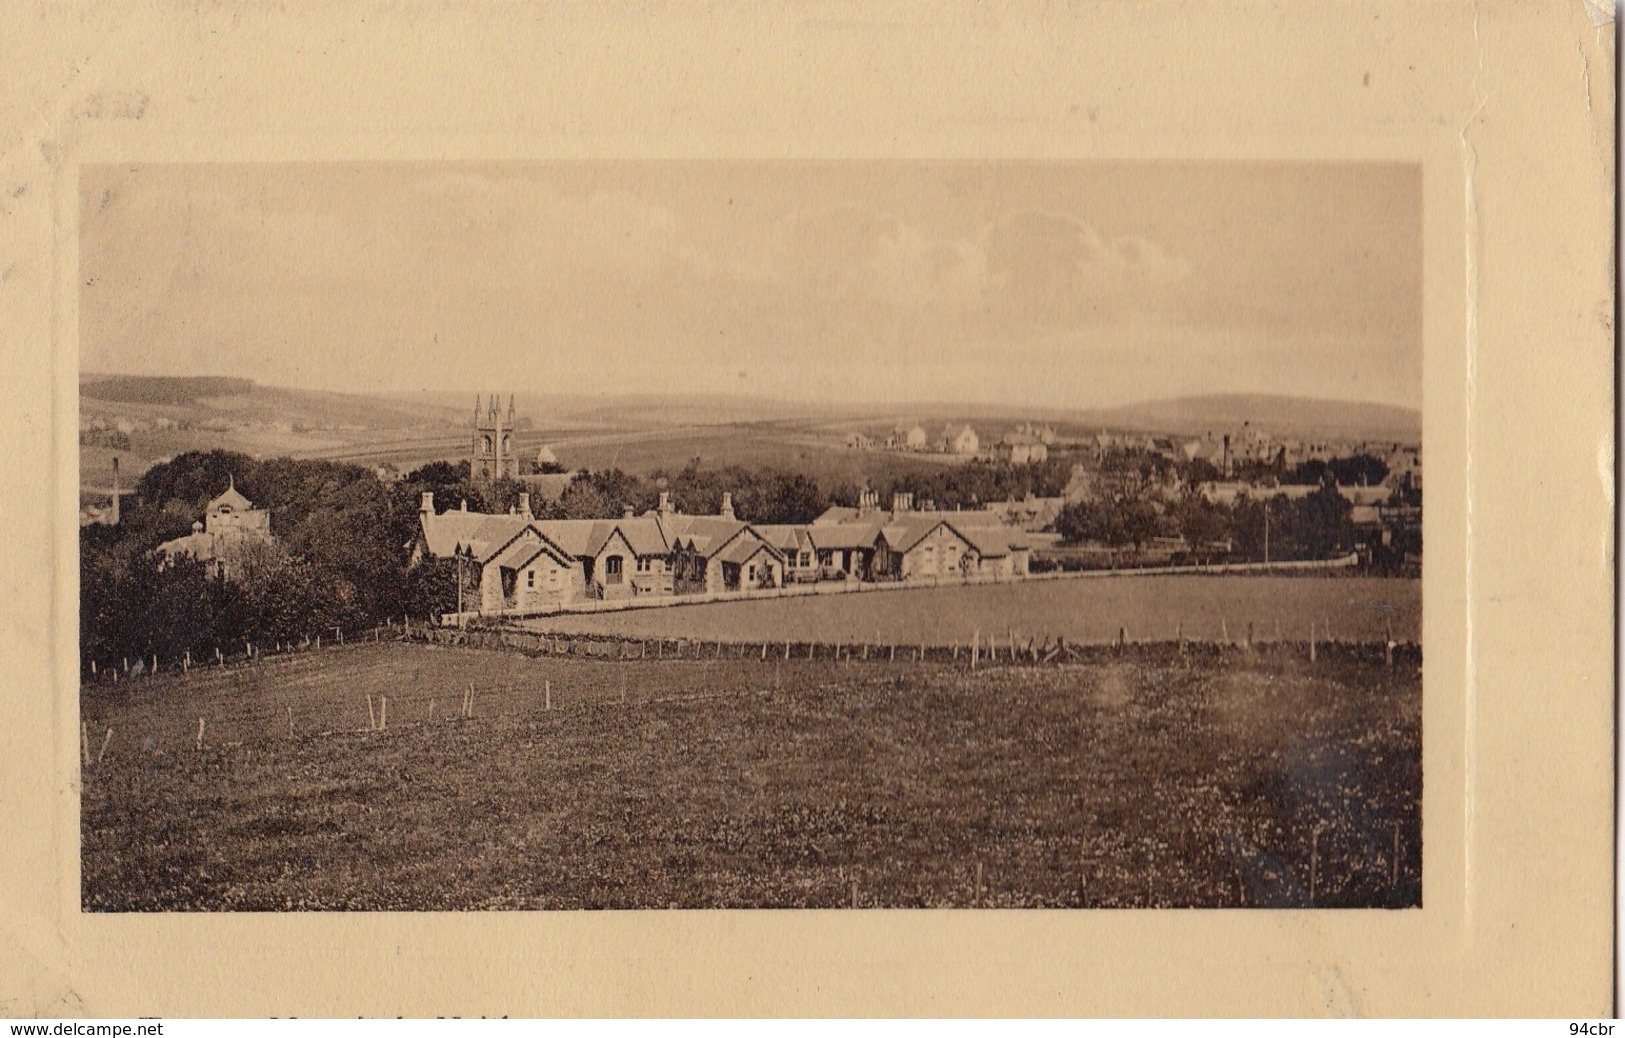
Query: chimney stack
664, 508
901, 502
628, 512
426, 503
727, 509
524, 504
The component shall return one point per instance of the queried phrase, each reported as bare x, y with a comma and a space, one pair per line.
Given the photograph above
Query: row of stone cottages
516, 564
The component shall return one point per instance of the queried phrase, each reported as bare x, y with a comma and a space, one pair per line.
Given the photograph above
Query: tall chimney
664, 508
727, 509
426, 503
524, 504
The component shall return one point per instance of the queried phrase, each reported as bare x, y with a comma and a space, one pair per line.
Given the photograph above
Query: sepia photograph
750, 534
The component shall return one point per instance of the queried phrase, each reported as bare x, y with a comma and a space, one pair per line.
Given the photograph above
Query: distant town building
1021, 447
492, 454
960, 439
230, 526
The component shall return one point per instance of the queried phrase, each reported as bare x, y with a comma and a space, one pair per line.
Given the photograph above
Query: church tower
493, 454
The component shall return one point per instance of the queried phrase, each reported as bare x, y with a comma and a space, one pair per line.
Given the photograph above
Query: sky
1063, 284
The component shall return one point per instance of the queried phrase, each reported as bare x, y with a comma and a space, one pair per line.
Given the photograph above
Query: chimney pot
727, 509
628, 512
426, 505
524, 504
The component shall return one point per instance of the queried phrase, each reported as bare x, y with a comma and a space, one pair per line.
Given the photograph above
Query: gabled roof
703, 534
644, 535
475, 533
578, 537
522, 551
783, 536
845, 535
993, 543
741, 550
909, 530
233, 499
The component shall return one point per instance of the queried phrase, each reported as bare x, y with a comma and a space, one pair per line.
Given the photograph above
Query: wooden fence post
105, 740
199, 743
1311, 643
547, 695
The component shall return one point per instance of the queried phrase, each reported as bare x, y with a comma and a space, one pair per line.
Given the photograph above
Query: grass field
1080, 610
1212, 779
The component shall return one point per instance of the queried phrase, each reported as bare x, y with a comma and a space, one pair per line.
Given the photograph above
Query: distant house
1021, 448
960, 439
231, 526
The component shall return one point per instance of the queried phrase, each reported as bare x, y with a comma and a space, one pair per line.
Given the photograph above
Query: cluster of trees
1350, 471
1315, 526
339, 558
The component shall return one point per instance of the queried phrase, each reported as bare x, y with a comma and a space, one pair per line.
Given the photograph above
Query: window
804, 559
750, 573
612, 570
530, 578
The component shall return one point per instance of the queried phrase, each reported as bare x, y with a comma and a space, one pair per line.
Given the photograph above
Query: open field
1147, 778
1091, 609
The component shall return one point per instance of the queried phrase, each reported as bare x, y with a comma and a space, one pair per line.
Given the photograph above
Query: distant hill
141, 389
1297, 417
208, 397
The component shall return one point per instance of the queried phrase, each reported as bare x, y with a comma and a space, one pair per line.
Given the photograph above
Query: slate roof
702, 534
785, 537
742, 549
844, 536
524, 550
473, 532
231, 498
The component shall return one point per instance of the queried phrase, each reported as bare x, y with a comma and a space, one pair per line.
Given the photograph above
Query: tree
1359, 470
1201, 523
